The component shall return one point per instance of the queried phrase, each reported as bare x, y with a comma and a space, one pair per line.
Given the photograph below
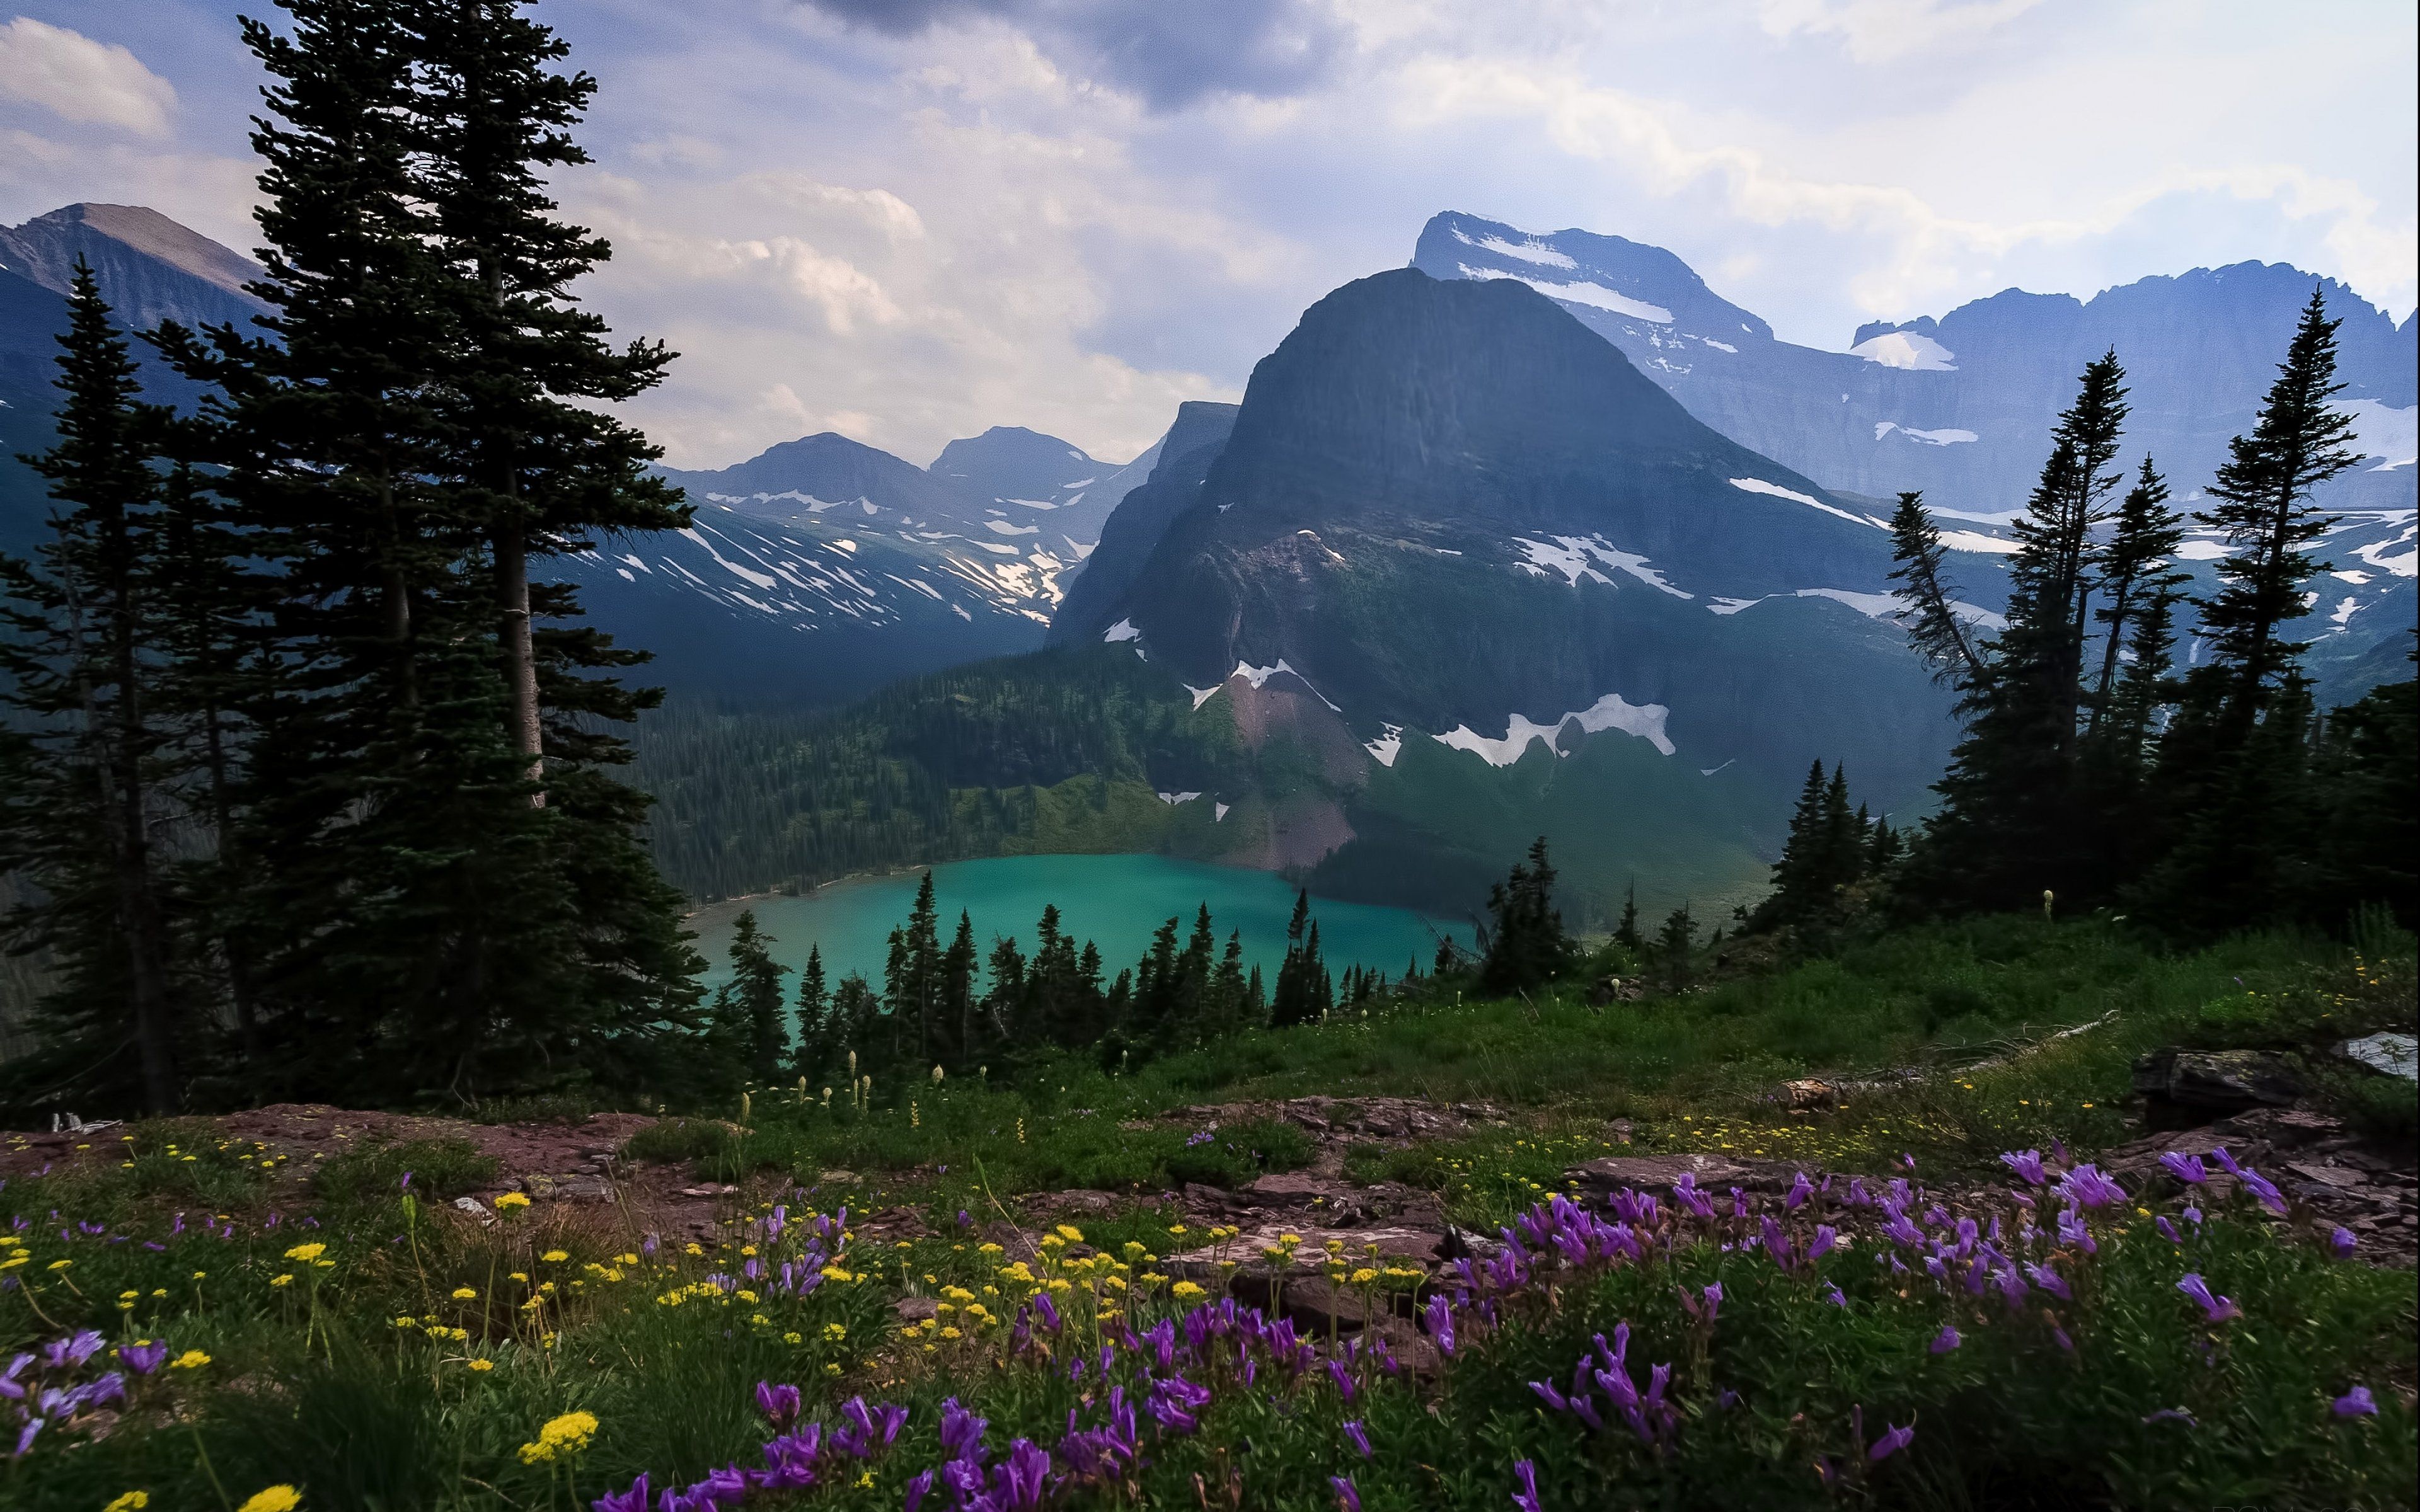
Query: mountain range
1538, 534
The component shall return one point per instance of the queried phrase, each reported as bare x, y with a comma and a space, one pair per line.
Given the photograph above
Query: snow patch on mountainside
1529, 251
1947, 436
1123, 630
1611, 712
1570, 555
2382, 431
1998, 545
1259, 676
1388, 745
1777, 491
1905, 348
1595, 296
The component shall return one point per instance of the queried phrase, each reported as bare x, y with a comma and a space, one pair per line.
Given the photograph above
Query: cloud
79, 79
1170, 54
1883, 31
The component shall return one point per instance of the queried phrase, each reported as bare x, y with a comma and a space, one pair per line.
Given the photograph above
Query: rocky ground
576, 1172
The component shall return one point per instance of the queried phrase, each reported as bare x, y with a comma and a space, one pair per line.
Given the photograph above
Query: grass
407, 1363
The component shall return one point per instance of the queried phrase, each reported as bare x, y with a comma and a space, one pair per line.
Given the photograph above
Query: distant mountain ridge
1959, 406
817, 571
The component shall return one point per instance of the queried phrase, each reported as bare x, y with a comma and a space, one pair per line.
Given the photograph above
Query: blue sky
908, 220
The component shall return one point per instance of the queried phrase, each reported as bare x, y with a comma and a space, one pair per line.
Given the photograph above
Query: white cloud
1884, 31
79, 79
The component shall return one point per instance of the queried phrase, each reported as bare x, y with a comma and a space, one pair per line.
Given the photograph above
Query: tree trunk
520, 657
138, 904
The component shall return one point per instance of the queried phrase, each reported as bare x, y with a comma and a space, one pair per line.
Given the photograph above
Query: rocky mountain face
822, 568
1455, 541
1961, 407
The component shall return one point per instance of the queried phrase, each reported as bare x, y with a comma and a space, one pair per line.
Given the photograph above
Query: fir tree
816, 1041
79, 805
1625, 933
962, 1028
2234, 761
2007, 828
1674, 945
1305, 991
1527, 944
2265, 511
1928, 600
749, 1012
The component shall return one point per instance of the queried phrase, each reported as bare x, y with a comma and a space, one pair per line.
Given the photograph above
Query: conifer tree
1305, 991
83, 741
1527, 945
748, 1012
816, 1040
421, 925
962, 1028
1230, 1009
1625, 933
2234, 761
912, 984
1674, 944
2007, 828
1928, 600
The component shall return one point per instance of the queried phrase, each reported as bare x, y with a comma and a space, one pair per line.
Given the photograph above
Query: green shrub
1233, 1155
440, 1169
669, 1140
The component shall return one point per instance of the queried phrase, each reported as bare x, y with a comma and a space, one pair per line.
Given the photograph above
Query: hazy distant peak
47, 245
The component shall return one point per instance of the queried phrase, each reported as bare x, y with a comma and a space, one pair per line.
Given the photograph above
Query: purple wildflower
2343, 1242
779, 1403
2356, 1403
1524, 1473
2028, 1163
2172, 1414
2186, 1168
1800, 1190
2086, 1186
2167, 1230
143, 1358
1946, 1339
917, 1488
1360, 1439
1440, 1324
2050, 1281
1347, 1497
2192, 1215
2219, 1309
633, 1500
2263, 1189
1891, 1442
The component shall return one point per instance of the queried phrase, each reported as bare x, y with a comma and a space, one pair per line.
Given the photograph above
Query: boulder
2388, 1053
2206, 1083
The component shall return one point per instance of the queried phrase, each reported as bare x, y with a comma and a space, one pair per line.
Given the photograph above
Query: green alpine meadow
1482, 880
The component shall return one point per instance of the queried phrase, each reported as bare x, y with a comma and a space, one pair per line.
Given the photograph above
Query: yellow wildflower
510, 1200
306, 1252
483, 1367
465, 1294
131, 1501
190, 1360
274, 1499
555, 1257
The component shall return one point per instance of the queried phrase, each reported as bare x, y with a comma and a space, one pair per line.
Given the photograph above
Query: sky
909, 220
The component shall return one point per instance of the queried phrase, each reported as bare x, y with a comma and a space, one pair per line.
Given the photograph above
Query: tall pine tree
85, 741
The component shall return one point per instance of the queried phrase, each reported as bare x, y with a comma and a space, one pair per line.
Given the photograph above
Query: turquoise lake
1114, 900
